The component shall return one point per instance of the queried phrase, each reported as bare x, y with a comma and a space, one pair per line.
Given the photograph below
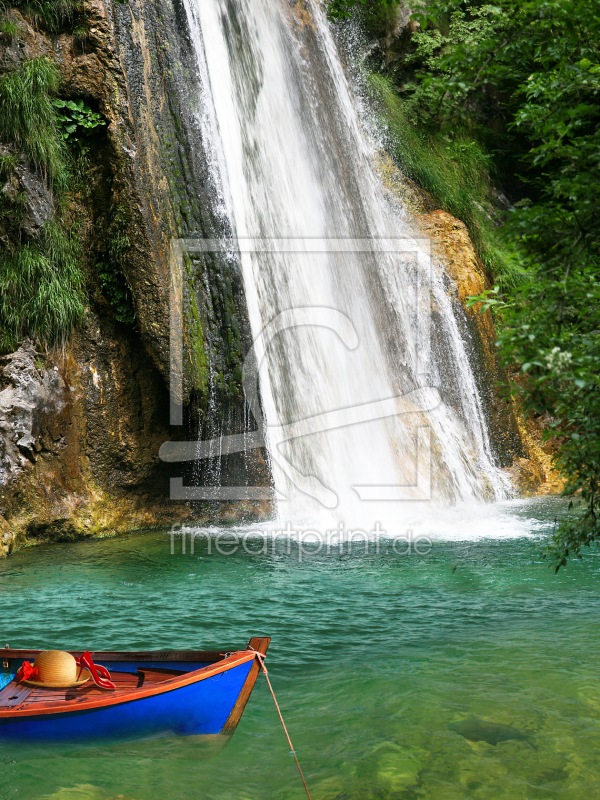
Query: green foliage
539, 68
552, 328
452, 167
428, 69
41, 285
489, 298
41, 290
117, 292
28, 119
8, 162
9, 29
526, 59
76, 118
56, 16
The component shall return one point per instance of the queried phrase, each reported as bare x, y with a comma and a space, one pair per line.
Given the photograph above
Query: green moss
198, 352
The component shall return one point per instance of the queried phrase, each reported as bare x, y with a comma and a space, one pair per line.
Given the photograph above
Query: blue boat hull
200, 708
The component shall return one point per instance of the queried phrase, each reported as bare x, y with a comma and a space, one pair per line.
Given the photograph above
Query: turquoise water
373, 655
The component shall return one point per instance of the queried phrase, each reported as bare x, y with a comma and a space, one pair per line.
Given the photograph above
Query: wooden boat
186, 693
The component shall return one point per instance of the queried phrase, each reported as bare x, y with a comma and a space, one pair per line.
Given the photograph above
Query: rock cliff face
453, 245
80, 433
82, 425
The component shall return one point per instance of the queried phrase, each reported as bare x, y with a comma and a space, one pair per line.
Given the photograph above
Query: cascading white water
371, 404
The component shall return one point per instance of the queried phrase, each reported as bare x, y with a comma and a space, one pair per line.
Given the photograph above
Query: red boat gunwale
112, 698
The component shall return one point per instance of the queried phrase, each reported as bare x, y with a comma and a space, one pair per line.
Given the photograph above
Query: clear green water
373, 655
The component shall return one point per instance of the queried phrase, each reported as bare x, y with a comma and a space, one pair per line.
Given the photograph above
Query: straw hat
58, 670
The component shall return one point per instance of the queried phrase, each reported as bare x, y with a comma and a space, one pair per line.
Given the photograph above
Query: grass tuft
28, 118
8, 162
9, 29
41, 289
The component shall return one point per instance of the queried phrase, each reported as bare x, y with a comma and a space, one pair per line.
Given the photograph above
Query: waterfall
372, 409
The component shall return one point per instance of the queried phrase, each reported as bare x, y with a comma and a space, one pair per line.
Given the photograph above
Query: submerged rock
478, 730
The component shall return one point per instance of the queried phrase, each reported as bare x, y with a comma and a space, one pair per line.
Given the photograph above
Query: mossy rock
58, 530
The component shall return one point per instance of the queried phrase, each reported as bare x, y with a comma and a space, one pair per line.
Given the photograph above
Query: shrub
76, 117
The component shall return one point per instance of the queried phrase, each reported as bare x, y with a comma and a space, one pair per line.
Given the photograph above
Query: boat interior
129, 672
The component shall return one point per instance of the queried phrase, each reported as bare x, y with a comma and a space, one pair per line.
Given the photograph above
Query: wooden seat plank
41, 696
125, 682
14, 694
158, 674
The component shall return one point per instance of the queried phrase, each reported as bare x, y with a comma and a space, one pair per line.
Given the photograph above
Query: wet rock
39, 201
57, 530
28, 395
24, 186
6, 537
536, 475
452, 242
500, 200
397, 768
80, 432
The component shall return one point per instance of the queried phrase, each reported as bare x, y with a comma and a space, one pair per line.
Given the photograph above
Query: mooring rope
261, 661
